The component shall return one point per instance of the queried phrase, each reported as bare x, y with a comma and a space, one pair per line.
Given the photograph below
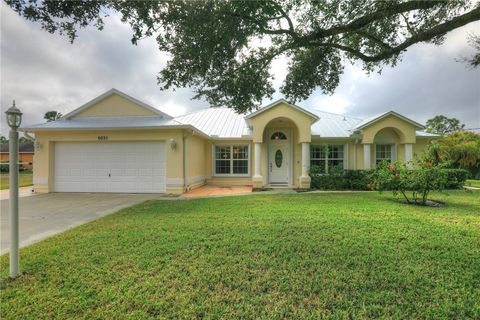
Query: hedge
339, 179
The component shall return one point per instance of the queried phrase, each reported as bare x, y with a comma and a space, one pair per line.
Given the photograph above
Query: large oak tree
223, 49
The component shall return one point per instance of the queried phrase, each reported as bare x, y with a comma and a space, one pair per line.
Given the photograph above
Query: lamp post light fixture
14, 119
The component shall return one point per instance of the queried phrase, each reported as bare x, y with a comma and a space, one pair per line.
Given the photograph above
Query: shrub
339, 179
414, 184
456, 178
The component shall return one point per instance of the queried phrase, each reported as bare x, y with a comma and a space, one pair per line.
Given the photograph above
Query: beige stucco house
116, 143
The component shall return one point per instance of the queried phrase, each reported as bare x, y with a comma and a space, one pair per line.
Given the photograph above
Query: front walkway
209, 191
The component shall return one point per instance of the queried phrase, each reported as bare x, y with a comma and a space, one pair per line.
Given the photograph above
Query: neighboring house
116, 143
25, 154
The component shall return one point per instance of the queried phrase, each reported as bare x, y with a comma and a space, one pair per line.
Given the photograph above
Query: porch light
173, 144
14, 116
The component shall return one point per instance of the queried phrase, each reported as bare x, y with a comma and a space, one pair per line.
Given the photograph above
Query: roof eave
190, 127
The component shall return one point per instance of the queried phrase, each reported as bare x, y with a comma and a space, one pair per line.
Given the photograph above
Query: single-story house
116, 143
25, 154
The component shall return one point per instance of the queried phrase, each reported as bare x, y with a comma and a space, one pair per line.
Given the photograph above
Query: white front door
279, 159
130, 167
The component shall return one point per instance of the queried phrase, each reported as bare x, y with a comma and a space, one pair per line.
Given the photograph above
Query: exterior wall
25, 158
196, 161
405, 130
421, 145
44, 157
227, 180
301, 120
355, 150
115, 105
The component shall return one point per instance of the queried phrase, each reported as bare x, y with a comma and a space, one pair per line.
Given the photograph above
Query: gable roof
217, 123
275, 103
110, 93
380, 116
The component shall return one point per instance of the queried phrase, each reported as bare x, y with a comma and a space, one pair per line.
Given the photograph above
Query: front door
279, 158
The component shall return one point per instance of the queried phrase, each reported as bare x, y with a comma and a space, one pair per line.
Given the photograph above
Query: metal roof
333, 125
105, 123
215, 123
220, 123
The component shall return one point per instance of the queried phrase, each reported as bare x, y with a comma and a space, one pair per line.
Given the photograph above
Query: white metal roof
333, 125
221, 123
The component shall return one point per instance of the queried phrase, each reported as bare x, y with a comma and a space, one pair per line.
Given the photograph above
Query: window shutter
345, 156
394, 152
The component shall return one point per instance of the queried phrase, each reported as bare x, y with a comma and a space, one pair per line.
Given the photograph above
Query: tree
52, 116
474, 61
443, 125
224, 49
3, 139
458, 150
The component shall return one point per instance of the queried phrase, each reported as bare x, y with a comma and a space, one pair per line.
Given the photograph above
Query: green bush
4, 167
456, 178
413, 184
339, 179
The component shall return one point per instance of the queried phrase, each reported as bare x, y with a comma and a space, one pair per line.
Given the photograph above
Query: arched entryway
280, 156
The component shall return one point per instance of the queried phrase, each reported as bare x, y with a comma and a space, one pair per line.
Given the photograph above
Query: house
25, 154
116, 143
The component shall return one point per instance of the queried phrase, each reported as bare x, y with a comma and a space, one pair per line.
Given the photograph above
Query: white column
258, 160
305, 158
366, 156
408, 153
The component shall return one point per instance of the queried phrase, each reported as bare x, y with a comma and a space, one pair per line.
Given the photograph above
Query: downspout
186, 187
355, 155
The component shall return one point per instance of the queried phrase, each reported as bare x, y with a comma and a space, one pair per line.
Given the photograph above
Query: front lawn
24, 179
304, 256
473, 183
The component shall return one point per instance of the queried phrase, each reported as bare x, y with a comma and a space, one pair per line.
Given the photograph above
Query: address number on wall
103, 138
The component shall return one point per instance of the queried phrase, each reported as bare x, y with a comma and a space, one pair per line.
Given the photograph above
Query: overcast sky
45, 72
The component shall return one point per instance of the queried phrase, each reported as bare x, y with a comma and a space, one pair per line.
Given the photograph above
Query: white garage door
130, 167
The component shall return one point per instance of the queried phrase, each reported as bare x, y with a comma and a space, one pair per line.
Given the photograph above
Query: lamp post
14, 118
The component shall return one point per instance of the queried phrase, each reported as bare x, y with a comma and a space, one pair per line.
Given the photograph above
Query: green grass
473, 183
25, 179
304, 256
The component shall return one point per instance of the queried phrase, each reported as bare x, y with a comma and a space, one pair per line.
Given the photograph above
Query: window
326, 156
231, 160
383, 152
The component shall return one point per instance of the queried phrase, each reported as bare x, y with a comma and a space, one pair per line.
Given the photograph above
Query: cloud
45, 72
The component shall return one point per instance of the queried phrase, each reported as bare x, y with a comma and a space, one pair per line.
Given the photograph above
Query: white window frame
326, 146
393, 152
231, 145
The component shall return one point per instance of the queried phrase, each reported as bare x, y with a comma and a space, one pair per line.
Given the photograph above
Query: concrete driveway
42, 216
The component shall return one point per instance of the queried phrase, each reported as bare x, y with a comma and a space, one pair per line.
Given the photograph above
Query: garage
123, 167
